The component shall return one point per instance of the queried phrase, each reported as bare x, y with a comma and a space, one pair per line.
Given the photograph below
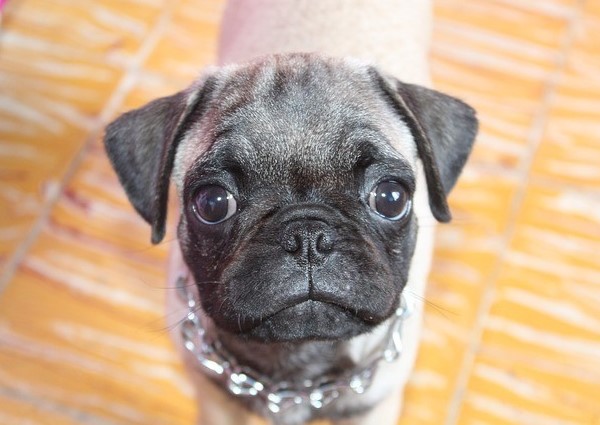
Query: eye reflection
390, 200
213, 204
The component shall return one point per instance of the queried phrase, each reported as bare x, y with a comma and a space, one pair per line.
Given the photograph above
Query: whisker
188, 285
170, 327
444, 312
167, 326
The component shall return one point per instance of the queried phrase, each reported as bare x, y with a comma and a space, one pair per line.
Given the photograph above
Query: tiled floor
512, 327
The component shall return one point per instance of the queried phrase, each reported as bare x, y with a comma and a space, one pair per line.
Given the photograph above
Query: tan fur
393, 34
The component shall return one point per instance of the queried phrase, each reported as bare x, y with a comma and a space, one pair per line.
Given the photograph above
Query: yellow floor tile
41, 412
60, 62
539, 359
111, 30
190, 41
498, 56
83, 322
569, 155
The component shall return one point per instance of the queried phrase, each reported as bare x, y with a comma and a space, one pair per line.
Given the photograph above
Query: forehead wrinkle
317, 105
302, 75
295, 118
290, 161
255, 138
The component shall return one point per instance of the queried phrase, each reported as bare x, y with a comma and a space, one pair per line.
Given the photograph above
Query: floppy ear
444, 129
141, 145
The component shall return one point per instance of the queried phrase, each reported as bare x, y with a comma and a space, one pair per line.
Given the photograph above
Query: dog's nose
311, 241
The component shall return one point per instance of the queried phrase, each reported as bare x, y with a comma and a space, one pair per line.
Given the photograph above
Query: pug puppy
308, 185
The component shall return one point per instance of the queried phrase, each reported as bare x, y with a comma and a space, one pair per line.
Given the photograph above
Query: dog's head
296, 176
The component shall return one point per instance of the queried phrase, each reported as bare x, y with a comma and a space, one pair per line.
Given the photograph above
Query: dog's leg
386, 412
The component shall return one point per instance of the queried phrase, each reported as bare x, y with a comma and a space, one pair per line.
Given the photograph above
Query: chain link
278, 397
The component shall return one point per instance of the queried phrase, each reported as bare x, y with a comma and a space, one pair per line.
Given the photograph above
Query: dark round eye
213, 204
390, 200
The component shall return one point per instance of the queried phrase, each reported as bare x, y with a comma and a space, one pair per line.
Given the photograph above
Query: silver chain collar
278, 397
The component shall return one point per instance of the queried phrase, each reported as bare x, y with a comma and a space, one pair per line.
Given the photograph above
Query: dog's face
296, 177
297, 219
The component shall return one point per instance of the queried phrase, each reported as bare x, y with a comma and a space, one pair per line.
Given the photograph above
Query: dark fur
299, 157
444, 128
300, 141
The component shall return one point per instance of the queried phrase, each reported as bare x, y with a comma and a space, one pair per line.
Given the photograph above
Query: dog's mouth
308, 319
325, 308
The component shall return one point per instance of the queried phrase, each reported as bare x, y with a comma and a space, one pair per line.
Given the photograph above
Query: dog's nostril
324, 242
310, 239
291, 243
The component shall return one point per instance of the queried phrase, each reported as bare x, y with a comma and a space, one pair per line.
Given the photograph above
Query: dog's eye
213, 204
390, 200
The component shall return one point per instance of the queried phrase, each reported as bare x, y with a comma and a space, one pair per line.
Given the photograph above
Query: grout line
551, 182
111, 106
44, 405
535, 138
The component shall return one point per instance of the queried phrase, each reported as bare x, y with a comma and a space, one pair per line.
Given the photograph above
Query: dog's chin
309, 320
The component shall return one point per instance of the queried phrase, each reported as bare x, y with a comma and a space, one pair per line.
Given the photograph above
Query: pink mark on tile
2, 4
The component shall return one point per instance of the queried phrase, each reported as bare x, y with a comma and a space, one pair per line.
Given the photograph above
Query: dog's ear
444, 129
141, 145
